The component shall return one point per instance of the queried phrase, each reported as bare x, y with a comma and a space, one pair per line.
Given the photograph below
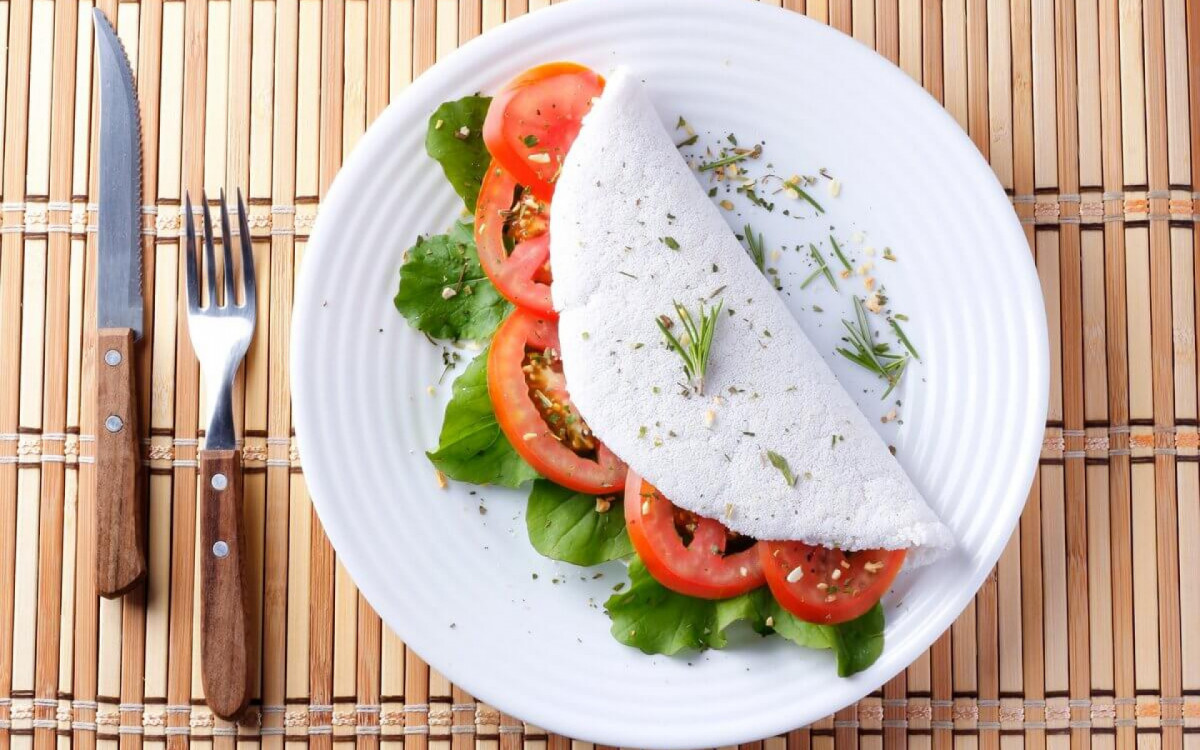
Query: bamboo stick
187, 381
1163, 373
1117, 370
51, 552
322, 565
1077, 625
16, 487
281, 28
85, 681
954, 56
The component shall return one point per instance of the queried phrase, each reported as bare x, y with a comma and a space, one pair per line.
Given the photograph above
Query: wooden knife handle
120, 507
224, 604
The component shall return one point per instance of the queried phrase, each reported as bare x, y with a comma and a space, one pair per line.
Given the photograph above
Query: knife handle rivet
219, 482
113, 423
112, 358
220, 549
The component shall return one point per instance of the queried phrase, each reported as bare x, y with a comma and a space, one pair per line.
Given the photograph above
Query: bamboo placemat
1088, 631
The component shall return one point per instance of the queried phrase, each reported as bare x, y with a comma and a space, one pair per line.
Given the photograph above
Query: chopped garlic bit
835, 188
603, 504
869, 283
529, 436
865, 268
857, 238
710, 416
448, 292
775, 256
743, 572
728, 511
727, 205
437, 125
440, 478
836, 574
796, 574
873, 567
791, 192
645, 507
874, 303
430, 390
889, 417
770, 621
870, 251
540, 158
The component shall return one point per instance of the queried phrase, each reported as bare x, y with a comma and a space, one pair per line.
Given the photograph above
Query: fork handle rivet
113, 423
220, 549
219, 482
112, 358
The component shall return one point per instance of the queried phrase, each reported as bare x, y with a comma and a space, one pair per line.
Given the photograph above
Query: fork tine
226, 246
193, 275
248, 278
210, 254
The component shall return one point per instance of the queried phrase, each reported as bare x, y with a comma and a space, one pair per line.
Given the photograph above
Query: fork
221, 333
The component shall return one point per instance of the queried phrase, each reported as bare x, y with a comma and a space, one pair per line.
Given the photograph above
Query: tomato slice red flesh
526, 339
700, 568
523, 275
828, 586
534, 119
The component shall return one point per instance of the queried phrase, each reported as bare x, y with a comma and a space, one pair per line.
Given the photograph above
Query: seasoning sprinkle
780, 463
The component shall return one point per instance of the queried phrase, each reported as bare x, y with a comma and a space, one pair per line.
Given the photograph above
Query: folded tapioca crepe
633, 232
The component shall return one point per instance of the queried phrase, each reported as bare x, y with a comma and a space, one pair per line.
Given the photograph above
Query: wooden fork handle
224, 605
120, 507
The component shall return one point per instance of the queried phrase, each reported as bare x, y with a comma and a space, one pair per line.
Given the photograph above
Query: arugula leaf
656, 620
455, 140
471, 447
651, 617
858, 643
470, 310
564, 525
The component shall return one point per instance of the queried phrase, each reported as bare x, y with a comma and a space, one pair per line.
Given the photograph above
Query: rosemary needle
903, 339
697, 340
755, 246
838, 251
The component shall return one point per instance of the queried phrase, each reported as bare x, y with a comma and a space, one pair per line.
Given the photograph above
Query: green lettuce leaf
471, 447
564, 525
656, 620
464, 158
858, 643
449, 261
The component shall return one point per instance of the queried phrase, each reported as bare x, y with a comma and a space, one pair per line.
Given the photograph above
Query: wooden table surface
1087, 633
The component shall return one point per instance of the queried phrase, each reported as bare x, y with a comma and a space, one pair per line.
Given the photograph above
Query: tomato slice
828, 586
534, 120
504, 213
529, 394
699, 567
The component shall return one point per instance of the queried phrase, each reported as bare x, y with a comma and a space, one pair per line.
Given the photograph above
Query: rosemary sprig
755, 246
736, 156
864, 352
696, 344
822, 269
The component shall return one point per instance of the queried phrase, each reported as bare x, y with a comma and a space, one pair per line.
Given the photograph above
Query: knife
120, 511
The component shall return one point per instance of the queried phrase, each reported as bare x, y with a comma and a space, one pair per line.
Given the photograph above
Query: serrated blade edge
119, 298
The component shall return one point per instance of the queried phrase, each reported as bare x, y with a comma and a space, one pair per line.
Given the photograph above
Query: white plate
458, 585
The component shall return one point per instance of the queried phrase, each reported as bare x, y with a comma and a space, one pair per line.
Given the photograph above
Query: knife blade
120, 525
